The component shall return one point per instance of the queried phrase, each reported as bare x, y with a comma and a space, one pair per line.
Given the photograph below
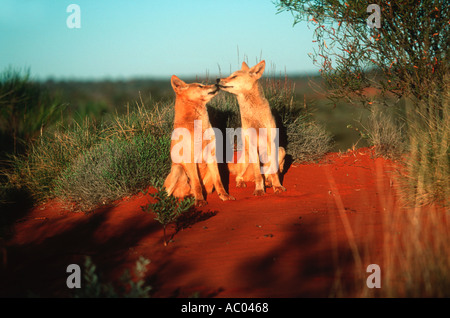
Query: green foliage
167, 208
51, 154
408, 54
129, 287
113, 169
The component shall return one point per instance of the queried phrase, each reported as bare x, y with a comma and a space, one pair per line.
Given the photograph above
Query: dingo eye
201, 86
233, 77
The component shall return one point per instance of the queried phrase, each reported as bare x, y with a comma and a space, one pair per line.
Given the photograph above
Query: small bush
114, 169
385, 134
307, 141
167, 208
223, 111
304, 139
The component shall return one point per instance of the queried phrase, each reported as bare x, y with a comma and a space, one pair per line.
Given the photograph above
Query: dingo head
242, 80
193, 92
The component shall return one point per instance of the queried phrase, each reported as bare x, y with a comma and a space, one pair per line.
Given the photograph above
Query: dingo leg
215, 176
192, 173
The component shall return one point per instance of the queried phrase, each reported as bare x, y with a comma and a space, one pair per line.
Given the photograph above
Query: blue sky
121, 39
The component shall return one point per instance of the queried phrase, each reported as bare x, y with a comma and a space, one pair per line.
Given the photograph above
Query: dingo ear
258, 69
244, 66
177, 83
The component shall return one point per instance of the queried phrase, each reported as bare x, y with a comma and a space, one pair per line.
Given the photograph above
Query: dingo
255, 113
189, 177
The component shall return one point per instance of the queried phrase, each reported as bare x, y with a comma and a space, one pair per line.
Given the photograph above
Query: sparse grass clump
307, 141
416, 258
427, 177
113, 169
385, 133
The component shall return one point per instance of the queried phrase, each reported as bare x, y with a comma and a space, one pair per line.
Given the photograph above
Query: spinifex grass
113, 169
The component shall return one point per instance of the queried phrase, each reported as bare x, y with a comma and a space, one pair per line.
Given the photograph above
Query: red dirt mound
300, 243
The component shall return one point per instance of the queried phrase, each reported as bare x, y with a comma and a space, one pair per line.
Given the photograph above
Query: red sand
285, 245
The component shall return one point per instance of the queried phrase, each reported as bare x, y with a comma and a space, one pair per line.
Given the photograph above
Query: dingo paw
241, 184
199, 203
226, 197
279, 189
258, 192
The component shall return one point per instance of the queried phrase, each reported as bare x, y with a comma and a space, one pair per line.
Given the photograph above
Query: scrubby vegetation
95, 162
406, 68
91, 143
90, 159
405, 61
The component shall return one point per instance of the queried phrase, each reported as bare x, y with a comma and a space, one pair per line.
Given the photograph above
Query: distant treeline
102, 96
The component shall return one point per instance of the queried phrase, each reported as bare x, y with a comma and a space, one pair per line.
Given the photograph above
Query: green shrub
303, 138
223, 111
167, 208
114, 169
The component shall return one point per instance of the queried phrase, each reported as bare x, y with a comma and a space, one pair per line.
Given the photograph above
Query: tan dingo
255, 113
188, 176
